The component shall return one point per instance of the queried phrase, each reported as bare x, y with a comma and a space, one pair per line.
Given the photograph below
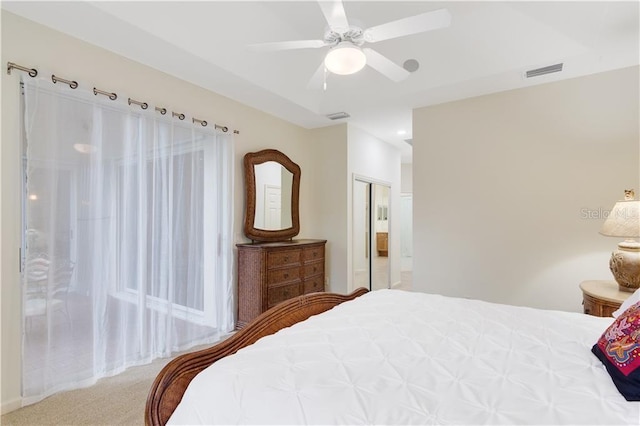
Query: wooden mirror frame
251, 160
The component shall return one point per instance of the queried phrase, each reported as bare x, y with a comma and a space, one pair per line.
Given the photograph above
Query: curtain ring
111, 95
72, 83
143, 105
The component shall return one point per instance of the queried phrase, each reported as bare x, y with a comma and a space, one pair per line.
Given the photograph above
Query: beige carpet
117, 400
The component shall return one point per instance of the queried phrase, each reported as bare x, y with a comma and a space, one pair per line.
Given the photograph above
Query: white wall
360, 246
379, 161
504, 182
33, 45
406, 178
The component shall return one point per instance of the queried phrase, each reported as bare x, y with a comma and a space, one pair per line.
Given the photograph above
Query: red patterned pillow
619, 350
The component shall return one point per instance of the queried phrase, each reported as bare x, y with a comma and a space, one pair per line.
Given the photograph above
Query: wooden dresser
270, 273
382, 243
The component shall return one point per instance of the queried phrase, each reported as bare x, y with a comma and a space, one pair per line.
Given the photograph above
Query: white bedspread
393, 357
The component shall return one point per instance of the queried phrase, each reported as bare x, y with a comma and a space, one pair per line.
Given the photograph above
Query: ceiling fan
346, 54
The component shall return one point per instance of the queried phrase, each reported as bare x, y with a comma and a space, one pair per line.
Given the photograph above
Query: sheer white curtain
127, 248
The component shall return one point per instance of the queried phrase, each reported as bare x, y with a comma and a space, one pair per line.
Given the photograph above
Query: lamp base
625, 265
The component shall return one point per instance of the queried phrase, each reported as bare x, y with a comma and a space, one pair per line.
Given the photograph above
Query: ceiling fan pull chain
324, 84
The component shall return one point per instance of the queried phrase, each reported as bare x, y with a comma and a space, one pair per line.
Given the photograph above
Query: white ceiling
487, 48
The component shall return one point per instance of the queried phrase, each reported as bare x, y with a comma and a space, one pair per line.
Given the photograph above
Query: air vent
544, 70
338, 115
409, 141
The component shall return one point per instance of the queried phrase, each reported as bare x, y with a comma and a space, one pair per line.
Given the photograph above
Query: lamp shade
346, 58
623, 220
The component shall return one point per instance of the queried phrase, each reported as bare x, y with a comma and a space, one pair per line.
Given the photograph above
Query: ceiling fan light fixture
345, 58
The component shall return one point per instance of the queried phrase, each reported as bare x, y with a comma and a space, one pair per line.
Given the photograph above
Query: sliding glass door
127, 237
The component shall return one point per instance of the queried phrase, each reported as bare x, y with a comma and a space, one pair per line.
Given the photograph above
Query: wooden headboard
171, 383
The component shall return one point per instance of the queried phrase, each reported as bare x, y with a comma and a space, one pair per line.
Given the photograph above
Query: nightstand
601, 298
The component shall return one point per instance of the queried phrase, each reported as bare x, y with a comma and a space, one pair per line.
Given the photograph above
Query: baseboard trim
10, 406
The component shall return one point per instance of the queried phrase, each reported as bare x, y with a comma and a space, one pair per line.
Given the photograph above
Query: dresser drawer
590, 306
313, 285
283, 258
272, 272
278, 276
598, 307
313, 253
281, 293
312, 269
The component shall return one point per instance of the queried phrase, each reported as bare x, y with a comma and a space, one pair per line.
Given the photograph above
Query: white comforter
393, 357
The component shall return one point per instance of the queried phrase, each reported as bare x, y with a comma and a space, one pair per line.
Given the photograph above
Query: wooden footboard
171, 383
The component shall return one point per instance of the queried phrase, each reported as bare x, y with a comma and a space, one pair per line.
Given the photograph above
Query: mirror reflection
274, 187
272, 183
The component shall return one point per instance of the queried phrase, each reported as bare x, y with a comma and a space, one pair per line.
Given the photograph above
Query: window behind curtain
127, 227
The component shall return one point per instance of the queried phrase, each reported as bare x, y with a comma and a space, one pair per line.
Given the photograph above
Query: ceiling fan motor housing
353, 35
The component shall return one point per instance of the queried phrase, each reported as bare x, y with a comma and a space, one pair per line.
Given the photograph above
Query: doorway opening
371, 214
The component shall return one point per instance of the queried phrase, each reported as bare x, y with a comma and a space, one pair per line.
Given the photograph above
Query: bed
396, 357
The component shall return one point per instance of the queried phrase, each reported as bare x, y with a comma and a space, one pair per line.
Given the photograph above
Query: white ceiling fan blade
334, 14
317, 81
286, 45
428, 21
384, 66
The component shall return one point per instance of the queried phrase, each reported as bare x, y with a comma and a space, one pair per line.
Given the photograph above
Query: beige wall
328, 199
504, 184
33, 45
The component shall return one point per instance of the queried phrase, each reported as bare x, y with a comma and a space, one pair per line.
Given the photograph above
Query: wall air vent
409, 141
338, 115
544, 70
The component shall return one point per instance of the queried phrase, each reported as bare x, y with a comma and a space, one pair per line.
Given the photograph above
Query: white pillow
631, 300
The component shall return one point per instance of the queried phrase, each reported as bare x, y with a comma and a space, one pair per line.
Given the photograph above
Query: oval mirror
272, 192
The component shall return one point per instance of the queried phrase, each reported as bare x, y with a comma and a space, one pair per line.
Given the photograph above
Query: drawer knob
286, 275
315, 269
286, 258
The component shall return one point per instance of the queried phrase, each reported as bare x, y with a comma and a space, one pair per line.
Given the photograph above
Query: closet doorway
371, 215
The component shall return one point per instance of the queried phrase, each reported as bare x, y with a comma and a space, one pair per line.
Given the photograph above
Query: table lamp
624, 222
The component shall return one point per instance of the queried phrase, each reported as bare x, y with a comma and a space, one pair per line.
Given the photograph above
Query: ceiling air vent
338, 115
544, 70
